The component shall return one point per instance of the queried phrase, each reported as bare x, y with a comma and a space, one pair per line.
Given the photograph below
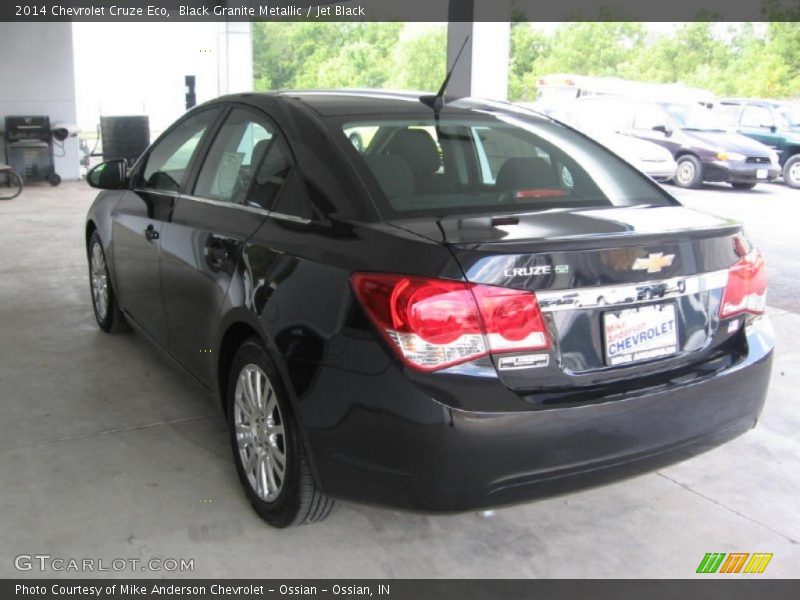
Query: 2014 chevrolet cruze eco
477, 306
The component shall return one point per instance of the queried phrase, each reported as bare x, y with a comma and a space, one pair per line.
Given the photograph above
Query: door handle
150, 233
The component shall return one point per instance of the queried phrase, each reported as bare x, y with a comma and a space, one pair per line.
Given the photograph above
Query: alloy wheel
794, 173
99, 282
685, 172
260, 432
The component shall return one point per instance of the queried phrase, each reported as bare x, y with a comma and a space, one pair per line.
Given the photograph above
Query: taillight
746, 290
436, 323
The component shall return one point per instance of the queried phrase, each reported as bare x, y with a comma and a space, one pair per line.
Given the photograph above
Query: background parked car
702, 144
556, 89
650, 158
776, 124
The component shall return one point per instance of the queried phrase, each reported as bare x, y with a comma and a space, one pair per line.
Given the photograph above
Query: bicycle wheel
12, 186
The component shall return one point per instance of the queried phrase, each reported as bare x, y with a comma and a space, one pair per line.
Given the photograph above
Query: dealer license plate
761, 173
639, 334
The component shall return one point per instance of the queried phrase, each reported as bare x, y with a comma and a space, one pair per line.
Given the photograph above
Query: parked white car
652, 159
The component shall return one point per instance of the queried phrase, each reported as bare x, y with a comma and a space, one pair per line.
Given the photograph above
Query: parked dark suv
775, 124
703, 145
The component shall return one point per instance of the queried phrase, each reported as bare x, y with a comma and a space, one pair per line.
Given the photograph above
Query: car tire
743, 186
104, 301
263, 432
689, 173
791, 172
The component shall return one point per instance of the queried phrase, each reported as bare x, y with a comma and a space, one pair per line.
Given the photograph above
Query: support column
235, 68
482, 70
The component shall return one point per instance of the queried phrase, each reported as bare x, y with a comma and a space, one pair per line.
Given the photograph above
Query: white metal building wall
37, 77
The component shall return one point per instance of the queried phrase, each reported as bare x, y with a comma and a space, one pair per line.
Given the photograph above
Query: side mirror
109, 175
663, 129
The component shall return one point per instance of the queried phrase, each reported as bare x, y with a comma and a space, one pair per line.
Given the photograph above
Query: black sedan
441, 317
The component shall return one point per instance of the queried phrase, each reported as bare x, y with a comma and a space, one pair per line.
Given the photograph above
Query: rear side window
507, 163
649, 116
729, 112
169, 159
757, 116
246, 162
595, 114
271, 174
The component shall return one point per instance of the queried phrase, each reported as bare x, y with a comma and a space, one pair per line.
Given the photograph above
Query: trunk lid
625, 291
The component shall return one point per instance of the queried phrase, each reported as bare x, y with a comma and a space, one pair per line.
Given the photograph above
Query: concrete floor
770, 213
107, 452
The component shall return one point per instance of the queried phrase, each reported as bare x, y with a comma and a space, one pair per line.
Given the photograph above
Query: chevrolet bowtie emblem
653, 263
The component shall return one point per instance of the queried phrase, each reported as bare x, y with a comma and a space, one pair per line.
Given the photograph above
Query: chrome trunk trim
630, 294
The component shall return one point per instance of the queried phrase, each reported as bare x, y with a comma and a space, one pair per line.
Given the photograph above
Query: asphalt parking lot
771, 214
107, 452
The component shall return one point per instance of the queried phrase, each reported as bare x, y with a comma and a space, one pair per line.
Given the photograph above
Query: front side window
696, 118
496, 163
169, 159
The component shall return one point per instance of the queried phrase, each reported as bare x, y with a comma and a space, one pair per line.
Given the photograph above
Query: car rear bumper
661, 172
739, 172
402, 446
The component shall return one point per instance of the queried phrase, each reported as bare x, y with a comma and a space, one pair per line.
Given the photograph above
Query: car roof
755, 101
363, 102
617, 99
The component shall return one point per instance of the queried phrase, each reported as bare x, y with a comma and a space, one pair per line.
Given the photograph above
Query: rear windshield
499, 163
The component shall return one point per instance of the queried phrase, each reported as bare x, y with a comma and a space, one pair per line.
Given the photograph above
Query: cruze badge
535, 270
653, 263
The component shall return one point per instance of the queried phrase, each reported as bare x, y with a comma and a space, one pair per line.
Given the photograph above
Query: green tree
783, 41
592, 48
308, 55
528, 48
734, 60
420, 61
756, 60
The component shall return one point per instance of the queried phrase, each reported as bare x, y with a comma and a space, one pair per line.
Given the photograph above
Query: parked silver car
650, 158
